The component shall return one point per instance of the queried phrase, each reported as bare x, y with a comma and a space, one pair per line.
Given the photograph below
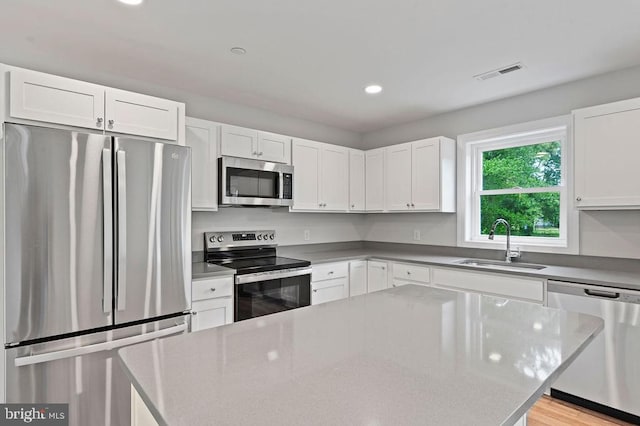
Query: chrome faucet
508, 254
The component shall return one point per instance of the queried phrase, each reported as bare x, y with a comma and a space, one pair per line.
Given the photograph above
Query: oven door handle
272, 275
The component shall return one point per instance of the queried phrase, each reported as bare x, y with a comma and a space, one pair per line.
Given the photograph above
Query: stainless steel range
264, 282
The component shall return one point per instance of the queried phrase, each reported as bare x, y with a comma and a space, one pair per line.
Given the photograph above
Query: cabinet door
376, 276
211, 313
52, 99
398, 177
357, 277
374, 182
425, 175
607, 148
328, 291
334, 181
142, 115
356, 180
305, 156
273, 147
511, 286
202, 137
238, 141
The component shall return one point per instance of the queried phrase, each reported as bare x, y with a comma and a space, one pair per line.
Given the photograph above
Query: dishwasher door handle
600, 293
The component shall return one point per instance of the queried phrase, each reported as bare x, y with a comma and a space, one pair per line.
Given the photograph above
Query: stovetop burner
262, 264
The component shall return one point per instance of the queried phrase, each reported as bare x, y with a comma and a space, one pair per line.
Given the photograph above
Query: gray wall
290, 227
604, 233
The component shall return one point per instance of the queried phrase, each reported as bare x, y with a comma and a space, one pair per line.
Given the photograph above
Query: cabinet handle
394, 285
99, 121
353, 206
383, 268
408, 272
254, 153
111, 123
315, 290
579, 199
213, 289
194, 313
413, 205
260, 153
320, 205
407, 205
330, 272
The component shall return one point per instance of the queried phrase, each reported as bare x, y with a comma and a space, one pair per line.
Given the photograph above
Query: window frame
470, 149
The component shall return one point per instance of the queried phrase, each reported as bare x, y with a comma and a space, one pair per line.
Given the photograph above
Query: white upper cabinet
248, 143
356, 180
202, 137
334, 178
321, 176
306, 157
136, 114
420, 176
607, 148
398, 177
238, 141
43, 97
273, 147
374, 182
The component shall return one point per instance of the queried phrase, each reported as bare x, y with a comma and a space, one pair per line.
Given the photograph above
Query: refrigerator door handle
107, 204
98, 347
121, 158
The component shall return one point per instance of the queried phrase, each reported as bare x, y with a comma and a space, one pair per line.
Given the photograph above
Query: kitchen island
408, 355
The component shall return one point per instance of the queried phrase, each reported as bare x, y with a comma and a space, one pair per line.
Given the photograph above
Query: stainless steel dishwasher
606, 376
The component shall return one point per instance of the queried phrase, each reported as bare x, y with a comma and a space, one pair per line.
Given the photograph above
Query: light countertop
408, 355
605, 277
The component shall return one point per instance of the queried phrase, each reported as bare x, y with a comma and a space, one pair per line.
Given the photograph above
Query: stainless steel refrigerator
97, 256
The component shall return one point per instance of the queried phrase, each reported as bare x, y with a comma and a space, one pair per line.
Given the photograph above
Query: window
518, 173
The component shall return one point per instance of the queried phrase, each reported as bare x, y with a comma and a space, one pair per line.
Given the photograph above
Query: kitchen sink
501, 264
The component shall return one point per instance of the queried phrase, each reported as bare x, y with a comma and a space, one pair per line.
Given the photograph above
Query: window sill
560, 247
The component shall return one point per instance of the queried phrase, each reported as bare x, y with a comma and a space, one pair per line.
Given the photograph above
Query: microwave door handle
107, 201
122, 230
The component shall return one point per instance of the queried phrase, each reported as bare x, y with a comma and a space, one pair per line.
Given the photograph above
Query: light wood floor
549, 411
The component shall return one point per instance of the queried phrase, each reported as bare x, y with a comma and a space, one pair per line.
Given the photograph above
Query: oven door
257, 183
270, 292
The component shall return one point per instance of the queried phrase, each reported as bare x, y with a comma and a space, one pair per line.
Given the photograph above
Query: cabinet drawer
403, 271
330, 271
501, 285
329, 290
212, 288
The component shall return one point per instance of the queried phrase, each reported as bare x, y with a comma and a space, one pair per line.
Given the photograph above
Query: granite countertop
604, 277
408, 355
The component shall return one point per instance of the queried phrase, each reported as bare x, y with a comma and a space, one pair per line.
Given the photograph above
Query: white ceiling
311, 59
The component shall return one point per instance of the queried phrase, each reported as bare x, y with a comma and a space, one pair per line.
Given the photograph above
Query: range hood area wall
290, 227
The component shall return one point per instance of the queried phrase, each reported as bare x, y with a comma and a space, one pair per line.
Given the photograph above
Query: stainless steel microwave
244, 182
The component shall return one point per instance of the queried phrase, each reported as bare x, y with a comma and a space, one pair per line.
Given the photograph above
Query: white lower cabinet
377, 275
404, 273
140, 413
357, 277
510, 286
329, 282
212, 303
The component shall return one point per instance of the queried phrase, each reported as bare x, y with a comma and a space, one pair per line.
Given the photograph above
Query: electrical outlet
307, 235
416, 235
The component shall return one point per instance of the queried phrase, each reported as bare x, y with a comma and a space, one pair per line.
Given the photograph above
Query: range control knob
265, 236
259, 237
212, 239
220, 238
272, 236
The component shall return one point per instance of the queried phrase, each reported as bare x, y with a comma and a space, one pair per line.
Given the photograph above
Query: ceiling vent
502, 71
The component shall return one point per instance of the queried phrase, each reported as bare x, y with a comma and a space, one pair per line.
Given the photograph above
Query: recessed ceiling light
373, 89
238, 50
131, 2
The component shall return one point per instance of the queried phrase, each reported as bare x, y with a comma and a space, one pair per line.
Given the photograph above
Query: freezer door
153, 229
82, 371
58, 235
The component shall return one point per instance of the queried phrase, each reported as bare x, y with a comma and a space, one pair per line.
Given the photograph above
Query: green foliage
530, 166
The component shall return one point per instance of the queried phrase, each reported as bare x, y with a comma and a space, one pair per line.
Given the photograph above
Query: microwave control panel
287, 186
